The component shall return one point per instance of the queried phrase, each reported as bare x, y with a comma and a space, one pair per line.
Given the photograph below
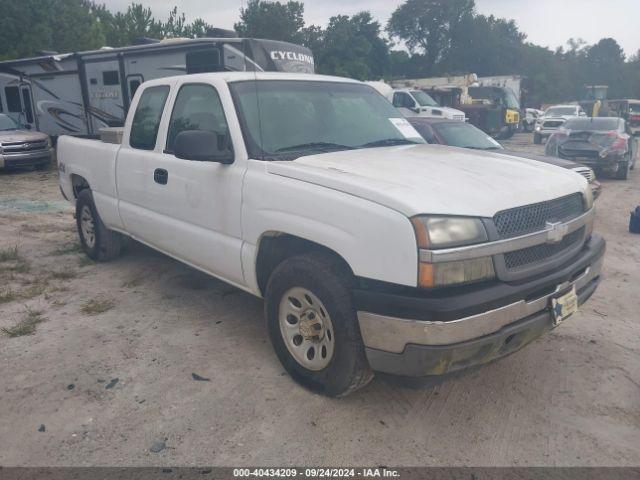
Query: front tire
98, 242
313, 325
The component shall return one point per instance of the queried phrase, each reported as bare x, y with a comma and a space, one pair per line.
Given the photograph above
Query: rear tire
98, 242
537, 139
312, 293
623, 170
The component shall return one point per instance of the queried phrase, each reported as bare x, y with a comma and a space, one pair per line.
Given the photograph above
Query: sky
549, 23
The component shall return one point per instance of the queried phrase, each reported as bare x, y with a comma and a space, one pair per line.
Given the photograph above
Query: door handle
161, 176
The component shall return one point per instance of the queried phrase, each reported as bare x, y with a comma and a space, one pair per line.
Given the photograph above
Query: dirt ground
102, 358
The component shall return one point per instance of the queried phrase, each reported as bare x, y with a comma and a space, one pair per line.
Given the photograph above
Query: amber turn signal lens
426, 274
421, 232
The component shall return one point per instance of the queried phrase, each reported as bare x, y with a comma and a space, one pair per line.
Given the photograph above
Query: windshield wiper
389, 142
314, 146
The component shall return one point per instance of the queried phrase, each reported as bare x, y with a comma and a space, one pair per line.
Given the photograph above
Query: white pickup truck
373, 251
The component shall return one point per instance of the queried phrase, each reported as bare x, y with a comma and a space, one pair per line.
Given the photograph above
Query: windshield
7, 123
601, 124
424, 99
458, 134
286, 119
559, 111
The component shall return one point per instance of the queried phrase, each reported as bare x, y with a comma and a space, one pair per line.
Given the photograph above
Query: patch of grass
63, 274
7, 295
10, 254
26, 326
67, 249
96, 306
85, 262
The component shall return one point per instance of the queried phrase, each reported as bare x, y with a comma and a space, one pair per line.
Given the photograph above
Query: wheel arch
78, 183
274, 247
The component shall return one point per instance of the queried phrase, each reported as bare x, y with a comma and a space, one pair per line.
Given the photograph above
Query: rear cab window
146, 121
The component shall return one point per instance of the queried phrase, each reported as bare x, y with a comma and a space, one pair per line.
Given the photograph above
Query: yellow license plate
564, 306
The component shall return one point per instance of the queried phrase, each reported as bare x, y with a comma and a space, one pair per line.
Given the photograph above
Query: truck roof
230, 77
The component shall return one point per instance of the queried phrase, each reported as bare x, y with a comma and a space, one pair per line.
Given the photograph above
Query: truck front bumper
442, 333
27, 159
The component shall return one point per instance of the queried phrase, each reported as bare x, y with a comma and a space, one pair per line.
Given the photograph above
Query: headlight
447, 232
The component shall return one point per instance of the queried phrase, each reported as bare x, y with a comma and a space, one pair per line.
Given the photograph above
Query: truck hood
11, 136
434, 179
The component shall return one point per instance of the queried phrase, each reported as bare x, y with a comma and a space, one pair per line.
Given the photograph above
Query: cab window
197, 107
146, 121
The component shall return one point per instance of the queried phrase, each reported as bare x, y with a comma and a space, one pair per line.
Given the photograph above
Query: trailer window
110, 78
13, 99
203, 61
146, 121
28, 110
197, 107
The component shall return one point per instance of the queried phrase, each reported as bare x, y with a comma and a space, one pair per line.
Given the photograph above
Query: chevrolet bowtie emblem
556, 231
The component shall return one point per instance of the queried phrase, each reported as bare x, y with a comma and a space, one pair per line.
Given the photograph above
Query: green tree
30, 26
272, 20
426, 26
351, 47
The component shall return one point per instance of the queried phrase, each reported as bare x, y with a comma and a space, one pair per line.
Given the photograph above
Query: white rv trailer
80, 93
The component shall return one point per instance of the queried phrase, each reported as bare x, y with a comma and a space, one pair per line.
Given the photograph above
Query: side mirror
203, 146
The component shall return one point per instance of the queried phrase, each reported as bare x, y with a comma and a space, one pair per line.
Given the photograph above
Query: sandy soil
109, 386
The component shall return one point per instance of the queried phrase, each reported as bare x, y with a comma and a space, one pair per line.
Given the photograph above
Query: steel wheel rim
306, 328
87, 227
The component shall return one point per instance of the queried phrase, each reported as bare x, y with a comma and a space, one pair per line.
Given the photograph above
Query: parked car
603, 143
530, 119
373, 251
553, 118
22, 148
455, 134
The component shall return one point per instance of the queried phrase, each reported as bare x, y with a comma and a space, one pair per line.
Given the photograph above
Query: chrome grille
533, 218
23, 147
543, 252
552, 123
586, 173
459, 117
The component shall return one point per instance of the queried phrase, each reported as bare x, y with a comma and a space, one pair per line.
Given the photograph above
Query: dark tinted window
28, 110
133, 87
459, 134
1, 103
146, 121
197, 107
13, 99
424, 129
111, 78
202, 61
401, 99
592, 124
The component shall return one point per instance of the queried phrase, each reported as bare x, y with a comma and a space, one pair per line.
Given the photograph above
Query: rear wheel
98, 242
623, 170
313, 325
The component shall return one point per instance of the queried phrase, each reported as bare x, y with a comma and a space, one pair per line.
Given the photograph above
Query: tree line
422, 38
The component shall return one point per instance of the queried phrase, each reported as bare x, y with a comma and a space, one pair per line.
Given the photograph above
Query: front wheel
313, 325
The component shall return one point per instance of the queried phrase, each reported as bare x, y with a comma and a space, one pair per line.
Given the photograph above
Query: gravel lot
108, 369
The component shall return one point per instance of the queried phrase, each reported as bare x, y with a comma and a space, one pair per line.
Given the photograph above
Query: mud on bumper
415, 347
